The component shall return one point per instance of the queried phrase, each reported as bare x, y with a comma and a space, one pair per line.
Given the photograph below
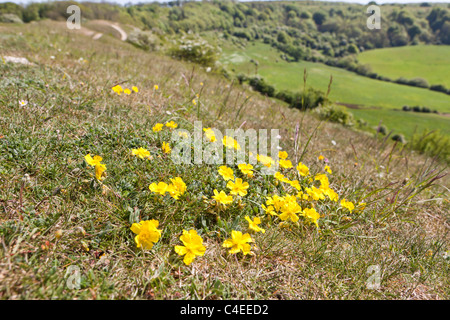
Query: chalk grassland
429, 62
54, 214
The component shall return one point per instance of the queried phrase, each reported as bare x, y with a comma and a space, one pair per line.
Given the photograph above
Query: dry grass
76, 113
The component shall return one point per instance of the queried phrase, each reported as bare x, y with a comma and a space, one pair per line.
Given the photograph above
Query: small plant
382, 129
399, 137
336, 114
195, 49
432, 143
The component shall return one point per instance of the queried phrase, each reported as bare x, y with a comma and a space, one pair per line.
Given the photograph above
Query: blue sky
141, 1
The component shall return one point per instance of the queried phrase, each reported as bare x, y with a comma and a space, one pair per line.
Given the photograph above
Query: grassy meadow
57, 211
347, 88
431, 62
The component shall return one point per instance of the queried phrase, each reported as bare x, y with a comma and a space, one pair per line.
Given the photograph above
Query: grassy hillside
58, 212
429, 62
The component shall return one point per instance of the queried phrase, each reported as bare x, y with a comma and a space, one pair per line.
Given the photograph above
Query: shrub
361, 123
285, 96
196, 50
241, 78
261, 86
143, 39
419, 82
399, 137
309, 99
406, 108
432, 143
10, 18
336, 114
382, 129
438, 87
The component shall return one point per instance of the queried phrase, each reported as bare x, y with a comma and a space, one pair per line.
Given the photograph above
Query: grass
347, 86
430, 62
403, 122
47, 187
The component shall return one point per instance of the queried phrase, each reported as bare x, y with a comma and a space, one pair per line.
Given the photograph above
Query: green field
403, 122
347, 86
425, 61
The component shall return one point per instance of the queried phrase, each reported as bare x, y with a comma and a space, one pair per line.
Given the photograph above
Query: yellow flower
328, 169
281, 177
302, 169
135, 89
286, 164
302, 196
246, 169
324, 183
269, 210
193, 246
141, 153
156, 87
147, 233
315, 193
194, 102
160, 188
99, 171
157, 127
290, 209
347, 204
92, 161
295, 184
238, 242
176, 188
171, 125
238, 187
209, 133
166, 147
312, 214
226, 173
222, 198
276, 201
127, 91
330, 193
282, 155
265, 160
117, 89
253, 225
321, 157
229, 142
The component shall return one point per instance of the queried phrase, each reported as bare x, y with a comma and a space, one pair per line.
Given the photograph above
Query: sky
143, 1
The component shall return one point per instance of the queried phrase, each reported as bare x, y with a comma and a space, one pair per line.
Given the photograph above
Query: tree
352, 49
444, 34
319, 18
282, 37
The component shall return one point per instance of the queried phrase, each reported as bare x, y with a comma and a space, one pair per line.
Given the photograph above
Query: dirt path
95, 35
123, 34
